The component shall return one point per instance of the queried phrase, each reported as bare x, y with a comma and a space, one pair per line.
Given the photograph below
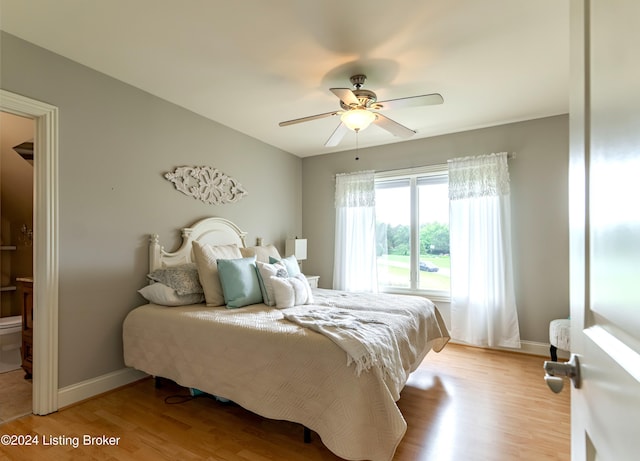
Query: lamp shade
296, 247
357, 119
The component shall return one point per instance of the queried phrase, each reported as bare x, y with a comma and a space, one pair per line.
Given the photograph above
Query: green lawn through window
393, 270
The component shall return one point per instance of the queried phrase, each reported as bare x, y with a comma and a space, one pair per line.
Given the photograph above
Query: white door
604, 190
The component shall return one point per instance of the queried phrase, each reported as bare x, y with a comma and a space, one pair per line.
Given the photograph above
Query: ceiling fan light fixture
357, 119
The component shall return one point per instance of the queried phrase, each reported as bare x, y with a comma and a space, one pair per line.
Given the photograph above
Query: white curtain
355, 246
483, 307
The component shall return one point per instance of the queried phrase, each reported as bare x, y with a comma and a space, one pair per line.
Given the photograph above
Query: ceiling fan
361, 107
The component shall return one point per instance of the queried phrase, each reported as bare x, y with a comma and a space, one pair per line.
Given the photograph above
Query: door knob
555, 371
554, 382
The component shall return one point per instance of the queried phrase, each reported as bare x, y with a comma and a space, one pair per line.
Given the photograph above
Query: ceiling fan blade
346, 96
393, 127
411, 101
308, 119
337, 135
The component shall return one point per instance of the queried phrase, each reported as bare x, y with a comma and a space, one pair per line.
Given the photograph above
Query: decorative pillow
239, 279
290, 262
159, 293
292, 291
183, 278
262, 253
206, 256
307, 287
265, 272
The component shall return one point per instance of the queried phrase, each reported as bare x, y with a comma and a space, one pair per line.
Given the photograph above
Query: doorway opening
16, 264
44, 235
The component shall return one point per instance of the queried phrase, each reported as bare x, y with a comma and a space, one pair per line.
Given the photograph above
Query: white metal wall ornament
207, 184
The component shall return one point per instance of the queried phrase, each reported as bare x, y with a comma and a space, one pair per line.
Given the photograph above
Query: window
412, 231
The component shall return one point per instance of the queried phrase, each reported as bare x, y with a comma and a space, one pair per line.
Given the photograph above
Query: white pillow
206, 256
292, 291
265, 272
159, 293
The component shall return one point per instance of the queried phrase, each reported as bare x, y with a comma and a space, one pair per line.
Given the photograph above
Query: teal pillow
290, 262
239, 281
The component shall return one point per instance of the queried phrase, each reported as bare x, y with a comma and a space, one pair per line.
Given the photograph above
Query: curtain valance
482, 176
355, 189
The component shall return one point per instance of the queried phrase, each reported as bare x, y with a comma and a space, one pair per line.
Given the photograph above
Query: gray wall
115, 144
539, 206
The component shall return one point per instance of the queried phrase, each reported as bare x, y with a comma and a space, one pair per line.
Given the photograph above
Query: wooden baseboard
528, 347
78, 392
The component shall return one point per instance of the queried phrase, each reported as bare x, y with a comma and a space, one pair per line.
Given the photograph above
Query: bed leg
307, 435
158, 382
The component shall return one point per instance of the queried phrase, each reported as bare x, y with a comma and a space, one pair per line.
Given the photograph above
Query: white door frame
45, 245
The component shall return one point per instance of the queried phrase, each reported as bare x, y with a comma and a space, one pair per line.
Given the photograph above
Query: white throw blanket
367, 337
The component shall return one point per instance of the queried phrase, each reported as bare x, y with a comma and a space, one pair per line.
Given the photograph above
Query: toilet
10, 340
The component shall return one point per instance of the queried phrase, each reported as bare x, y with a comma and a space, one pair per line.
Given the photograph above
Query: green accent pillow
290, 262
239, 281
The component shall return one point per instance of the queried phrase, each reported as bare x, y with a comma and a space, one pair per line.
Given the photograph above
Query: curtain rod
426, 169
412, 169
510, 156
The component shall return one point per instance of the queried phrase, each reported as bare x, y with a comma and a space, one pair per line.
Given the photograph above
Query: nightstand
313, 280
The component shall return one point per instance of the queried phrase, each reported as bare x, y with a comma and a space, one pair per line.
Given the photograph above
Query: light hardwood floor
463, 404
15, 395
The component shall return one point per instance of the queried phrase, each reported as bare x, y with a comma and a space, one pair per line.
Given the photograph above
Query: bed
285, 363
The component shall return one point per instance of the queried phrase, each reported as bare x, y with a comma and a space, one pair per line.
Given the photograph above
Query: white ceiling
250, 64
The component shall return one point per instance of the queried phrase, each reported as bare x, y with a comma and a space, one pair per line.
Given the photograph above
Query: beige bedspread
281, 370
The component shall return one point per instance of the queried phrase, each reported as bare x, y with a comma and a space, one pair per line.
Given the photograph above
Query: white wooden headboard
215, 231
